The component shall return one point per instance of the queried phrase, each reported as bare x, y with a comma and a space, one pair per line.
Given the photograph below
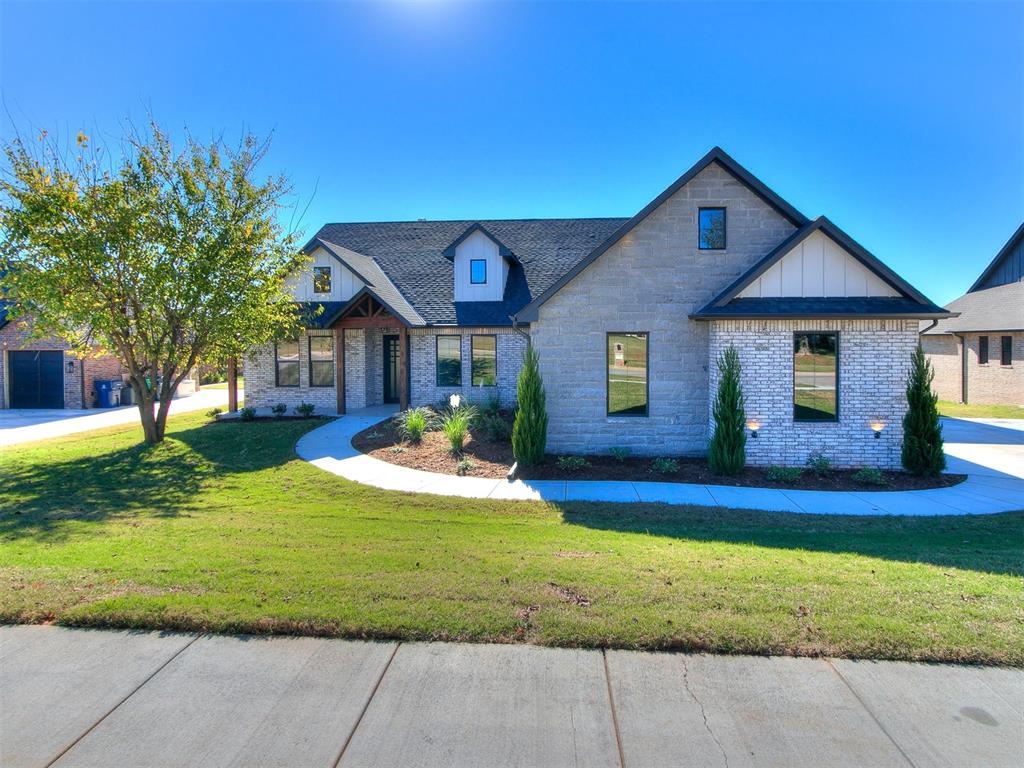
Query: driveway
26, 425
993, 447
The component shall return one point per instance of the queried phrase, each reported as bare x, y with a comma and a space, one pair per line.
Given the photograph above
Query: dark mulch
493, 459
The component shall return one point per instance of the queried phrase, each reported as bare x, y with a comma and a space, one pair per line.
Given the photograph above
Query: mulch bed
492, 459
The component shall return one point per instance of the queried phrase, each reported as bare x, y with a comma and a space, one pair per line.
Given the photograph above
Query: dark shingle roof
832, 306
993, 309
412, 256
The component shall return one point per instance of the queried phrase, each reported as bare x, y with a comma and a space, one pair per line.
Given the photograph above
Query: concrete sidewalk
100, 698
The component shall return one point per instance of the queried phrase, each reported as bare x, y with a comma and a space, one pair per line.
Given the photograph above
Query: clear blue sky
902, 123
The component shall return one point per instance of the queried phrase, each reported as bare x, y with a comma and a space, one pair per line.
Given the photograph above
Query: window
485, 360
1006, 350
449, 361
321, 279
287, 358
627, 374
321, 361
982, 350
712, 229
478, 271
815, 376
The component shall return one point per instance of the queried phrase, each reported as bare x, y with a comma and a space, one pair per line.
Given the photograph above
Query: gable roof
716, 155
992, 309
503, 250
1004, 252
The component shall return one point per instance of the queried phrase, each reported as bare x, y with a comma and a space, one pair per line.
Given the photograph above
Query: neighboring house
44, 373
628, 317
978, 357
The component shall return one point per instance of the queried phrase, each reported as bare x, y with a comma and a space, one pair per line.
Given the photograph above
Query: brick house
628, 317
978, 356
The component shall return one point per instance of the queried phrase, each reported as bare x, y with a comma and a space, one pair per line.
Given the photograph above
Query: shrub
279, 410
819, 464
530, 431
572, 463
664, 466
870, 476
213, 413
727, 451
396, 449
413, 423
783, 474
455, 425
620, 454
305, 410
247, 414
495, 427
922, 434
493, 407
464, 466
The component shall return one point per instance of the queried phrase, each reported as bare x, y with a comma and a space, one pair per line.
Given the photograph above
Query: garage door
37, 379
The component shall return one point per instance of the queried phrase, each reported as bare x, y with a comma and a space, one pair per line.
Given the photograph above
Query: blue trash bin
106, 394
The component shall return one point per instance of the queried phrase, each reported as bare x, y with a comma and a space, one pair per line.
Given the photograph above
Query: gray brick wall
990, 383
874, 358
650, 281
423, 352
261, 390
944, 353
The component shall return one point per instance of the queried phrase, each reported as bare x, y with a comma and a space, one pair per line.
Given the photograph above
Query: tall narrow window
321, 279
449, 361
287, 363
982, 350
478, 271
321, 361
1006, 350
485, 360
815, 377
712, 229
627, 374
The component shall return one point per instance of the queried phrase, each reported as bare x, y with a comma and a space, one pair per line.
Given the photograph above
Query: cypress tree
922, 434
727, 451
530, 430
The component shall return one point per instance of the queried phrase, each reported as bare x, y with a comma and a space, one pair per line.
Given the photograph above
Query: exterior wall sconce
877, 426
753, 425
71, 365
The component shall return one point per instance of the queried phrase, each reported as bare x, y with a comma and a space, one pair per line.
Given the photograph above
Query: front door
391, 351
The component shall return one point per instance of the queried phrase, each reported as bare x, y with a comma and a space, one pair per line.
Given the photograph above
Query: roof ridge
473, 221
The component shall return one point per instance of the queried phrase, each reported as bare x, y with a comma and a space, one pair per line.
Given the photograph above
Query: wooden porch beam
232, 385
339, 368
403, 373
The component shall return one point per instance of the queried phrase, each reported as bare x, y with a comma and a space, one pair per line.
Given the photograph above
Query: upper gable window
478, 271
321, 279
712, 229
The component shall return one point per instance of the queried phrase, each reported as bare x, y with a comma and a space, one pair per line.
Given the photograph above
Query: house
628, 317
978, 356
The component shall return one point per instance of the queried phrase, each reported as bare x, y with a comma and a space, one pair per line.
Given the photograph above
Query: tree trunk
149, 424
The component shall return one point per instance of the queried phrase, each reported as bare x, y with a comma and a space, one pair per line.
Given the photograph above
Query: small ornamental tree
727, 451
922, 433
530, 430
165, 258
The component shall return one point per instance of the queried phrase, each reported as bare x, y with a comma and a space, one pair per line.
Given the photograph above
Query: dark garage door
37, 379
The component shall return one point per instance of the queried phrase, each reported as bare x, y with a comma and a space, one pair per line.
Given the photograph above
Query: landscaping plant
922, 434
305, 410
783, 474
819, 464
455, 425
571, 463
620, 454
727, 451
530, 430
664, 466
279, 409
870, 476
413, 423
247, 414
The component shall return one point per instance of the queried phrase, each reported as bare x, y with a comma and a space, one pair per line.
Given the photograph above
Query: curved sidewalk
330, 448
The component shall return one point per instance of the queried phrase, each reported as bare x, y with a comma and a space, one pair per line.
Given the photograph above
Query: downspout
515, 327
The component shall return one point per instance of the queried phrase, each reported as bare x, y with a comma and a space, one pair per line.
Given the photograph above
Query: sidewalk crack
703, 713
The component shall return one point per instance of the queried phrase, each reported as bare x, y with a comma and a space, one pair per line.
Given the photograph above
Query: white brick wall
423, 345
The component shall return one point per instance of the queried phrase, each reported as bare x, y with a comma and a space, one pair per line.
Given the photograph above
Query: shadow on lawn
983, 543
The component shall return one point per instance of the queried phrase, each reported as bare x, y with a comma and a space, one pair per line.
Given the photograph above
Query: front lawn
971, 411
222, 528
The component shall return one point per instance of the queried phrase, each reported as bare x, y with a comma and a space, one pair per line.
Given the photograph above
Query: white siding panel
814, 266
344, 284
856, 279
479, 246
771, 281
835, 272
792, 275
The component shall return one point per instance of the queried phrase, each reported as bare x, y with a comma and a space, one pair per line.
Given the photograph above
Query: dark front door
391, 369
37, 379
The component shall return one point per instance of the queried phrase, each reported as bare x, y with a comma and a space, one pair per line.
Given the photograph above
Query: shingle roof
1004, 253
993, 309
410, 259
818, 306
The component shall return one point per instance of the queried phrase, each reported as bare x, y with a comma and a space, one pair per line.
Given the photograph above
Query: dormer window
478, 271
321, 279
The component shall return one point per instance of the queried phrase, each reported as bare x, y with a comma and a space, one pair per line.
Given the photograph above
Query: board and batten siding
479, 246
344, 283
817, 267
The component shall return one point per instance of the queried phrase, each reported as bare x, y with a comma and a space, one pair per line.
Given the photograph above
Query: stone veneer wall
943, 351
874, 359
511, 345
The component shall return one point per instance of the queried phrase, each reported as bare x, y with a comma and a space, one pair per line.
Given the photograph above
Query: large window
449, 361
815, 377
627, 374
287, 363
478, 271
982, 350
1006, 350
712, 229
321, 279
485, 360
321, 361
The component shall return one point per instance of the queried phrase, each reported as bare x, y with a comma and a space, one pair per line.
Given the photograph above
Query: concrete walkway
987, 489
77, 698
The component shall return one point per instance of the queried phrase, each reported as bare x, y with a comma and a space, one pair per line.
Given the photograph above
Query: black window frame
1006, 350
330, 278
792, 357
297, 362
472, 376
477, 261
725, 228
983, 350
607, 379
309, 352
437, 360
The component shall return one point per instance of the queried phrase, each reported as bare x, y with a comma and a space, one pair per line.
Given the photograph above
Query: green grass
970, 411
224, 384
222, 528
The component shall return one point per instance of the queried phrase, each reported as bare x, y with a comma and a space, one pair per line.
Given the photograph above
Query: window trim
647, 380
983, 347
1006, 350
297, 362
332, 361
437, 360
330, 278
792, 360
725, 228
472, 338
477, 261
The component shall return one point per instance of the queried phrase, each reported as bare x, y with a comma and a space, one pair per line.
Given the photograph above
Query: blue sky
902, 123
